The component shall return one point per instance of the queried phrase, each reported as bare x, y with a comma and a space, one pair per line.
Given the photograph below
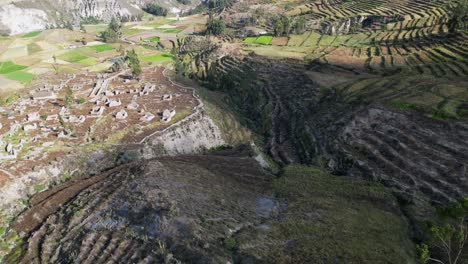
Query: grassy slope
32, 34
72, 56
158, 57
9, 66
21, 76
331, 219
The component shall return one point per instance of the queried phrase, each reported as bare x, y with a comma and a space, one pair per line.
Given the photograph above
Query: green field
31, 34
72, 56
21, 76
102, 48
158, 57
9, 66
126, 31
154, 39
250, 40
33, 48
95, 29
172, 30
88, 61
263, 40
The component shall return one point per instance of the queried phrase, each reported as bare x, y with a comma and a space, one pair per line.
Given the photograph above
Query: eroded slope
211, 209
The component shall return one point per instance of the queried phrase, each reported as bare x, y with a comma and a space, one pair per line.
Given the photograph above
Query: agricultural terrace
23, 58
387, 36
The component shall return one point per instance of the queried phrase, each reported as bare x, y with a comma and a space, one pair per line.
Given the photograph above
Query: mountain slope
23, 16
211, 209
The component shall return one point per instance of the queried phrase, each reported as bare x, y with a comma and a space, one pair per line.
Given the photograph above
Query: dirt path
197, 108
8, 173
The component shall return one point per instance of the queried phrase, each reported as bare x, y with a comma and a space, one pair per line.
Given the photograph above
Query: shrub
112, 33
215, 26
155, 9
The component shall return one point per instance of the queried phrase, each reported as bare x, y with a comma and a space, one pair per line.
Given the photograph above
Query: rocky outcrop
15, 20
21, 16
193, 135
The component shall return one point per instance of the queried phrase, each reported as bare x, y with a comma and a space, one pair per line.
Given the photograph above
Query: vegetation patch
21, 76
126, 31
154, 39
172, 30
33, 48
32, 34
158, 57
331, 219
72, 56
263, 40
88, 61
102, 48
9, 66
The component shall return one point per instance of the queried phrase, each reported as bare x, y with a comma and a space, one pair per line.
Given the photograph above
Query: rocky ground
25, 16
359, 124
210, 209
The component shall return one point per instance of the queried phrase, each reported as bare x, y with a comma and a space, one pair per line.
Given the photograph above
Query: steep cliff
23, 16
193, 135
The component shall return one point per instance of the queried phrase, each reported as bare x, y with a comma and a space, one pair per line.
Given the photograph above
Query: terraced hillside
210, 209
343, 16
444, 55
406, 130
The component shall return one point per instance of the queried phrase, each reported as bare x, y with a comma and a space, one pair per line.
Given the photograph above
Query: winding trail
8, 173
196, 108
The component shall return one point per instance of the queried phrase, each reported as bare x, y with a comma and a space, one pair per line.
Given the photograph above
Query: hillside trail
197, 108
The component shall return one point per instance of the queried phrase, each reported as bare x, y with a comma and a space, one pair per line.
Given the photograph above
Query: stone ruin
148, 88
147, 117
97, 111
74, 119
29, 127
167, 97
167, 115
122, 114
113, 103
77, 87
33, 117
132, 106
43, 95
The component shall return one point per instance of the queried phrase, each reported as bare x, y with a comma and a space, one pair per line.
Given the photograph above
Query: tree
55, 64
155, 9
278, 27
458, 16
299, 25
133, 62
448, 236
69, 25
286, 25
113, 31
217, 4
282, 26
215, 26
184, 2
69, 100
121, 50
82, 28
